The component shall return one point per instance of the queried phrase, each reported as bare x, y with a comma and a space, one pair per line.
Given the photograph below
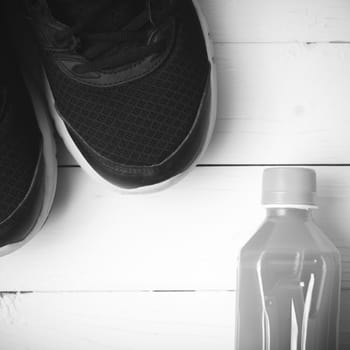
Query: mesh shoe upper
20, 142
144, 121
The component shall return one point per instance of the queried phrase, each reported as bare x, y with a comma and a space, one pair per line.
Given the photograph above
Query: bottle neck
299, 213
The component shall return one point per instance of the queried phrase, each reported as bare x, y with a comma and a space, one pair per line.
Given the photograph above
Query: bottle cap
289, 187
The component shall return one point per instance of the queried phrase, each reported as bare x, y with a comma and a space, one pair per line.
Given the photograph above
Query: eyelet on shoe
60, 41
77, 69
70, 42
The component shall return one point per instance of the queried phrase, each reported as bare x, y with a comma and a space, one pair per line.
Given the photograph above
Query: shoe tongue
118, 14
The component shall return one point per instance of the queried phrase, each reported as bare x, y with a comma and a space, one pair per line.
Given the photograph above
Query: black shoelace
108, 50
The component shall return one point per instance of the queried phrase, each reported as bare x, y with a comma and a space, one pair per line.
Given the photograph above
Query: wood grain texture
184, 238
133, 321
278, 21
280, 103
91, 321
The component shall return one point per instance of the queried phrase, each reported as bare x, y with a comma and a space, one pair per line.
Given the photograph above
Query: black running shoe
27, 160
131, 84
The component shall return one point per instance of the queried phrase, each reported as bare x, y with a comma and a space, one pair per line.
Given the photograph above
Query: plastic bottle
288, 287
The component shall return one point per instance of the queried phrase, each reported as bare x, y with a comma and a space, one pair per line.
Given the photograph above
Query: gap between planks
120, 291
242, 165
117, 291
299, 42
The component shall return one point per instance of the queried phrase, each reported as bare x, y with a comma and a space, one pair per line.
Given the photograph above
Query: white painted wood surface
106, 271
278, 20
184, 238
106, 321
133, 321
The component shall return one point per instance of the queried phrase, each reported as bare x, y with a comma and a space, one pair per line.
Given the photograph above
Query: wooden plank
278, 21
286, 103
282, 104
90, 321
135, 321
187, 237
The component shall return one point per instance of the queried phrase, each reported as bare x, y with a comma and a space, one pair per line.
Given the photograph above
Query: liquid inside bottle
288, 286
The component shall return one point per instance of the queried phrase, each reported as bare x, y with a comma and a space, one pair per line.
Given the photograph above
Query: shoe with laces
131, 85
27, 160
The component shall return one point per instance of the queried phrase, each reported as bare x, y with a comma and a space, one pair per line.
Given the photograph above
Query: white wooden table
153, 272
